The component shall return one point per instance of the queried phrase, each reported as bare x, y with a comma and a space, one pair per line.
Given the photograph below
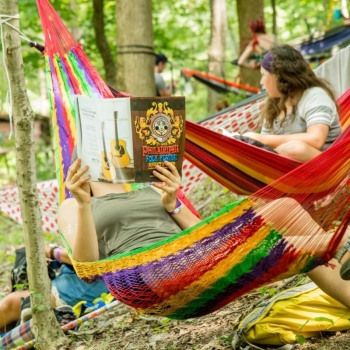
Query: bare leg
328, 279
287, 213
10, 308
297, 150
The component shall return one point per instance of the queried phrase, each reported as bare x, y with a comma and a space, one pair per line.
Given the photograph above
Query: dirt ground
123, 329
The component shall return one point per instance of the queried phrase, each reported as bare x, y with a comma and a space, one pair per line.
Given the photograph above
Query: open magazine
123, 139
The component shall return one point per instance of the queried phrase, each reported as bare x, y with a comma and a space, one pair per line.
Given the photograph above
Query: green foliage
44, 159
272, 291
300, 338
262, 290
41, 307
23, 286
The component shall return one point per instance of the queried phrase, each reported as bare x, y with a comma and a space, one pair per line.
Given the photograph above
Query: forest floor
123, 329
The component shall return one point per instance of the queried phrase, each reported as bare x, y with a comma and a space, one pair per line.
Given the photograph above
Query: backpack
19, 275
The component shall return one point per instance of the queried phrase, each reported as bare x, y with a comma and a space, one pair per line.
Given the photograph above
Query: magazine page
104, 140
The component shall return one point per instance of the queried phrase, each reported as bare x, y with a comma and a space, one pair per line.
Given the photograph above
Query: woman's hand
171, 182
78, 184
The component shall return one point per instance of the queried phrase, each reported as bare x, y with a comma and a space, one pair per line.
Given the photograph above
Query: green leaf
165, 321
324, 319
41, 307
262, 290
272, 291
300, 339
35, 295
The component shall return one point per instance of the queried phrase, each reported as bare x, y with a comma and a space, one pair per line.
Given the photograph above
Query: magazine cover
123, 139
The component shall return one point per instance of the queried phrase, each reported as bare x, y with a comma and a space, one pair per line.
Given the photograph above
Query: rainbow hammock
290, 226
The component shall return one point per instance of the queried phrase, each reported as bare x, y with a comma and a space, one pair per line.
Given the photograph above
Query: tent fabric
48, 203
337, 71
334, 37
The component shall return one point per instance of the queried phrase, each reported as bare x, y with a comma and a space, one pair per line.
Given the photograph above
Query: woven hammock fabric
278, 231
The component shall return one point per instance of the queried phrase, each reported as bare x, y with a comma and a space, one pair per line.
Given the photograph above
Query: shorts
72, 290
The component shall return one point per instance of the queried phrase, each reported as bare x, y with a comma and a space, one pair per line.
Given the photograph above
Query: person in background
300, 116
258, 46
160, 63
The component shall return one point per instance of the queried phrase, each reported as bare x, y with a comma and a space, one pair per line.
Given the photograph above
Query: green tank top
127, 221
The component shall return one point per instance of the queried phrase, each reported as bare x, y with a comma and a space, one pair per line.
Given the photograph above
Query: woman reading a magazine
109, 219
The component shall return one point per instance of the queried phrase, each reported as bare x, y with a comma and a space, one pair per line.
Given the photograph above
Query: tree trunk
248, 11
274, 18
135, 57
102, 44
217, 48
45, 326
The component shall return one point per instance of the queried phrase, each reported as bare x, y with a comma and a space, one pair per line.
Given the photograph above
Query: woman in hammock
300, 118
103, 220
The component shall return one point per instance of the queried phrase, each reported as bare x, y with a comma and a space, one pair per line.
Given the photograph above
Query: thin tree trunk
274, 18
45, 326
217, 47
248, 11
102, 44
135, 57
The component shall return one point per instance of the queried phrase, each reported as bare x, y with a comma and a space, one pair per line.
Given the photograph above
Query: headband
267, 62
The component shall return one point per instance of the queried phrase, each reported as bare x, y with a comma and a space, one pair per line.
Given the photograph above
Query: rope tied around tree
4, 19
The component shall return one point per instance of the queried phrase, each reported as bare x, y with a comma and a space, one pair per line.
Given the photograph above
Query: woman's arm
315, 136
75, 218
77, 227
63, 254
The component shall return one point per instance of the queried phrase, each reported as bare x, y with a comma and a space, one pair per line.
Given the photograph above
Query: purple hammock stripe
88, 79
64, 137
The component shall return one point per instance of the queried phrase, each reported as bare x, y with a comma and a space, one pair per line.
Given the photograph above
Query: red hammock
241, 167
219, 84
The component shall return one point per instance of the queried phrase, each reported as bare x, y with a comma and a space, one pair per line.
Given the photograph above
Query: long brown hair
294, 76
